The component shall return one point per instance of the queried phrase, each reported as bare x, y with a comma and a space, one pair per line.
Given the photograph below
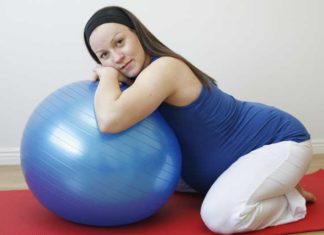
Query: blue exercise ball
95, 178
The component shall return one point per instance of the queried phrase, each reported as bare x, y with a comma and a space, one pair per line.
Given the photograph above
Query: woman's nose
118, 57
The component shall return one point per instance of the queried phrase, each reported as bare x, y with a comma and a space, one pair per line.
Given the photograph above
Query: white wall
269, 51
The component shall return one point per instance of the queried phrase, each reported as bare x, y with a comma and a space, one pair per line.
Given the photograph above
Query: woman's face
117, 46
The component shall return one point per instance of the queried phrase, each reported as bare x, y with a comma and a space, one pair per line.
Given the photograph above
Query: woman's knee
220, 217
244, 217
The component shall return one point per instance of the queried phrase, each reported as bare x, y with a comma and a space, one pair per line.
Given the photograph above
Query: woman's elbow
108, 125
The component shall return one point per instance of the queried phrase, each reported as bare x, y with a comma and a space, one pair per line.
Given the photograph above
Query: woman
247, 157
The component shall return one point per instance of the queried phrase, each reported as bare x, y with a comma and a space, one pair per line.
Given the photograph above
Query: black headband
105, 15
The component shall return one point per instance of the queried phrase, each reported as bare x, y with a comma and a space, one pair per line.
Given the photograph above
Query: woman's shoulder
176, 73
168, 65
168, 60
163, 68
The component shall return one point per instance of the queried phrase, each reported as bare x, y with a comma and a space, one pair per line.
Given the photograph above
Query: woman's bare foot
309, 197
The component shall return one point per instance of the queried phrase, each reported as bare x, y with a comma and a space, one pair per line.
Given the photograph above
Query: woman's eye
120, 42
103, 55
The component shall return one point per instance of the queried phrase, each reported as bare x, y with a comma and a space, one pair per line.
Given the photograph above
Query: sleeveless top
216, 129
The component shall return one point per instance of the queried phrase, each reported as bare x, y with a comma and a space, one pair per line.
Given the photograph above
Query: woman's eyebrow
110, 42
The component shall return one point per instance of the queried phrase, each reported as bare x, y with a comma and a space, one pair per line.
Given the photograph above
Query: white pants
258, 190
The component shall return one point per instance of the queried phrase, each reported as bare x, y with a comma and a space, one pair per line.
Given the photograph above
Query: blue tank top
216, 129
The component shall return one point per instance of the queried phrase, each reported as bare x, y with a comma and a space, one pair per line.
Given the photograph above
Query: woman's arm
117, 111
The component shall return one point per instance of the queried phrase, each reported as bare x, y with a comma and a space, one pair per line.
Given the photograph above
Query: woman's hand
101, 72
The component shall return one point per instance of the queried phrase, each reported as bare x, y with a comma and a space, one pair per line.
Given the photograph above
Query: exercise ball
95, 178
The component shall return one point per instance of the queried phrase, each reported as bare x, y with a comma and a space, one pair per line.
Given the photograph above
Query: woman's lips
126, 65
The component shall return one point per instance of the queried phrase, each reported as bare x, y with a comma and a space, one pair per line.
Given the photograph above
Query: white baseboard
318, 146
11, 156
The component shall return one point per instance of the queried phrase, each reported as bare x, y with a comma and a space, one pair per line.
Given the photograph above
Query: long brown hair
154, 47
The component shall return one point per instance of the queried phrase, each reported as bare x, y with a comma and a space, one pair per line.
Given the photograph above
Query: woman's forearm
105, 99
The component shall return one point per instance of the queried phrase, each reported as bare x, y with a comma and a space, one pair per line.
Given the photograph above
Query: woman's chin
132, 74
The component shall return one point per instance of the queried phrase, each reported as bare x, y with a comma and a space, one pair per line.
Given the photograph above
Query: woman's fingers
94, 76
95, 73
100, 72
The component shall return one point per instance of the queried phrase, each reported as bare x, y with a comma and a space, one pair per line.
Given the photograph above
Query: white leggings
258, 190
